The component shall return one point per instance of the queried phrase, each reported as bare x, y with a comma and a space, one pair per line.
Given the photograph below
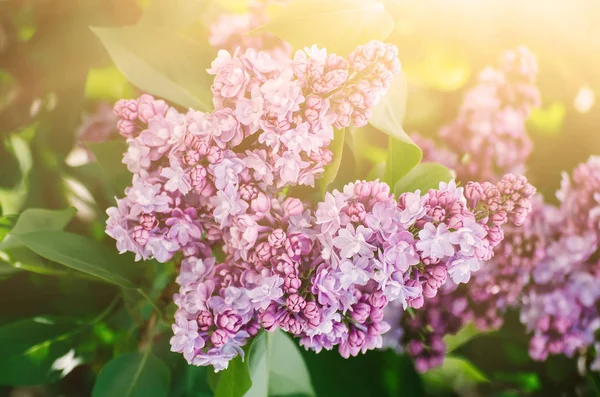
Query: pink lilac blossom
216, 181
488, 138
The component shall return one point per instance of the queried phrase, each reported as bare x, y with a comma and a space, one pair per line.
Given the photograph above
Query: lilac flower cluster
399, 252
445, 312
488, 137
205, 182
560, 307
496, 287
547, 269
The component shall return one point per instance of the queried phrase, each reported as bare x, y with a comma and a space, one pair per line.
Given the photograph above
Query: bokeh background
57, 84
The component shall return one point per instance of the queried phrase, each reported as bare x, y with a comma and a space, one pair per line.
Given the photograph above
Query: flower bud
360, 312
148, 221
205, 320
261, 204
276, 238
214, 155
293, 206
295, 303
140, 235
291, 284
219, 337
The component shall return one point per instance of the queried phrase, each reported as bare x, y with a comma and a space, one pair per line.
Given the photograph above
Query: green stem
149, 299
106, 311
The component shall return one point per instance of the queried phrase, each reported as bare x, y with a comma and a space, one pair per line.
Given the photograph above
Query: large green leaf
133, 375
403, 156
388, 115
363, 147
235, 380
331, 171
162, 62
423, 177
80, 253
337, 25
288, 374
259, 366
109, 155
274, 367
37, 220
14, 253
37, 350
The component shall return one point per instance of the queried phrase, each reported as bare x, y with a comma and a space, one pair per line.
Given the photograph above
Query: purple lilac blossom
205, 181
473, 220
547, 268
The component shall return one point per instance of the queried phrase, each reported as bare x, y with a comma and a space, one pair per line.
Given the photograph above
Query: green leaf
465, 334
109, 155
288, 373
423, 177
133, 375
331, 170
79, 253
403, 156
388, 115
258, 366
337, 25
37, 220
162, 63
31, 350
458, 373
107, 84
363, 146
274, 367
20, 257
235, 380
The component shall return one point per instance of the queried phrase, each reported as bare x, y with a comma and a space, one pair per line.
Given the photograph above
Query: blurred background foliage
55, 73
